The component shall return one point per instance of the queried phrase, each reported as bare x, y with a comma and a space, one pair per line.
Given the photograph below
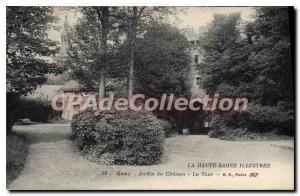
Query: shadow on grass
46, 137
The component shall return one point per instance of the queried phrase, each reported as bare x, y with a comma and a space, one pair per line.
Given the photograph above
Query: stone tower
195, 80
63, 52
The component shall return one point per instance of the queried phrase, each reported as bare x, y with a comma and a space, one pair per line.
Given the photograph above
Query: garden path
54, 164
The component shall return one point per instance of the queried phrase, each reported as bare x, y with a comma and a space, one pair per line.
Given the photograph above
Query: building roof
45, 92
71, 86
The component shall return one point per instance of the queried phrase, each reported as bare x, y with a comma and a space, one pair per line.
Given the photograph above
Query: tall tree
27, 46
254, 63
224, 55
122, 26
91, 46
135, 19
257, 64
271, 55
162, 61
103, 14
132, 38
27, 49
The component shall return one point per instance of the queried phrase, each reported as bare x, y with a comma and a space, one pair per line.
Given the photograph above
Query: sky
191, 17
201, 16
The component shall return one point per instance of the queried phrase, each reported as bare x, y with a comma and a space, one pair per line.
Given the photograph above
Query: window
198, 80
207, 123
196, 57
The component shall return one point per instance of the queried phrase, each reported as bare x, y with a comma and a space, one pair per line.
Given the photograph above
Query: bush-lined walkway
53, 163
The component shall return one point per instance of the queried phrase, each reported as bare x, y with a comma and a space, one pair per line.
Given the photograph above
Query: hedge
258, 120
37, 110
135, 138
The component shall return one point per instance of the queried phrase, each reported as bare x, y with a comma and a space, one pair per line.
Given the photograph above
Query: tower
61, 56
64, 38
195, 80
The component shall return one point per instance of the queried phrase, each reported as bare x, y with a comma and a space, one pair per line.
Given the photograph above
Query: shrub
12, 102
134, 138
227, 133
167, 127
35, 109
245, 134
83, 129
258, 118
259, 122
271, 118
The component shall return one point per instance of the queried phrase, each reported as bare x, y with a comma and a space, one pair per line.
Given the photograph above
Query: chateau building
196, 78
63, 54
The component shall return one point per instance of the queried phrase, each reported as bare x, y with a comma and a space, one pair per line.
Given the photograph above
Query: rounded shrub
167, 127
135, 138
83, 129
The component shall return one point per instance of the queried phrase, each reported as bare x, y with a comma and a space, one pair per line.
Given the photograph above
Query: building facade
196, 78
62, 55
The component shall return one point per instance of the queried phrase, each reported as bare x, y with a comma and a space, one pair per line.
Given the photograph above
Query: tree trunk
103, 16
102, 85
132, 38
131, 68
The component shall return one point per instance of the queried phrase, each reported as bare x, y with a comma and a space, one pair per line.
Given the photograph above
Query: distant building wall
46, 92
195, 79
62, 55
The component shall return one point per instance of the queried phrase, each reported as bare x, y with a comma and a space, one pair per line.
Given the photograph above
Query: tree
225, 56
122, 25
162, 61
134, 20
90, 55
104, 26
271, 58
27, 49
257, 64
254, 61
133, 17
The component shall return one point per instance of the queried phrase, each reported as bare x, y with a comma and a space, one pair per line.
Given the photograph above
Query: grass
240, 135
60, 121
16, 153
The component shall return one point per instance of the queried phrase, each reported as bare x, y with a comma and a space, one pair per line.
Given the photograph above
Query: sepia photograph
150, 98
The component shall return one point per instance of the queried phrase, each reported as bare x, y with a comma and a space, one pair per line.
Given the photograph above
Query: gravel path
53, 164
